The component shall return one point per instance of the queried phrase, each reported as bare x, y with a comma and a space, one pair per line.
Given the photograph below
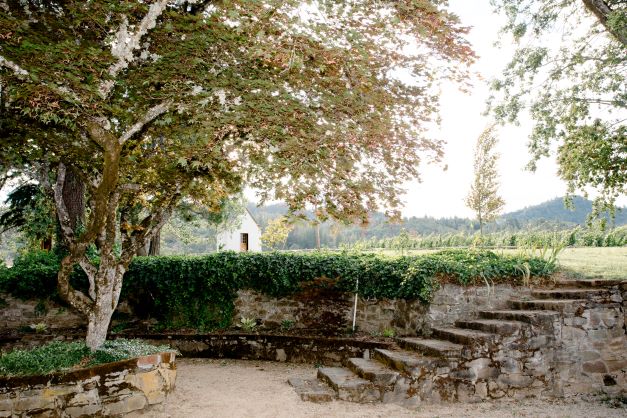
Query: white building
245, 237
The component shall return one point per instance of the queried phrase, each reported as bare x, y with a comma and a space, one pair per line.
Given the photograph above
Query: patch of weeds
3, 303
389, 333
247, 324
39, 328
41, 309
618, 402
61, 310
287, 324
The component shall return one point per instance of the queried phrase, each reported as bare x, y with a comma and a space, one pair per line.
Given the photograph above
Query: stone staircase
501, 353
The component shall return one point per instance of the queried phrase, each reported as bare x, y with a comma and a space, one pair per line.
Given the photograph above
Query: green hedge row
200, 291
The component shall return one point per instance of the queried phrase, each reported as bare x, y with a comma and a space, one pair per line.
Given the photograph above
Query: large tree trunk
155, 244
108, 287
74, 198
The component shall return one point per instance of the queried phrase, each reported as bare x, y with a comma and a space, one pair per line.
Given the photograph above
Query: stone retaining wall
450, 303
109, 389
591, 353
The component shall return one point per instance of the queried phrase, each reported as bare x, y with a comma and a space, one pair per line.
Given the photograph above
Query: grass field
584, 262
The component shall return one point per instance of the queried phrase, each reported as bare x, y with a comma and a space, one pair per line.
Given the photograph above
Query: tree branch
23, 75
19, 72
602, 11
125, 44
152, 113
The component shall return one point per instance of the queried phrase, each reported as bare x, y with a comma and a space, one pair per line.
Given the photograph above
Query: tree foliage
276, 232
570, 73
483, 197
149, 102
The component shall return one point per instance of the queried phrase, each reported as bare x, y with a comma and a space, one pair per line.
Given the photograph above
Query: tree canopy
569, 72
152, 101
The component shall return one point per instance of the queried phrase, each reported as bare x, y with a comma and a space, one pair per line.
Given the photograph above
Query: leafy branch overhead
152, 102
569, 73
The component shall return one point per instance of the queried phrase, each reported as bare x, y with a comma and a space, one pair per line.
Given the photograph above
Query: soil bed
235, 388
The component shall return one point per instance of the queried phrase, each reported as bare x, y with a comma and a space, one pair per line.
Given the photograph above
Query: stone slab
463, 336
373, 371
495, 326
433, 347
312, 389
348, 385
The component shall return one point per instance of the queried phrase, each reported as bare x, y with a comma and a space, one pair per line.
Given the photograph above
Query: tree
483, 197
569, 72
152, 102
276, 233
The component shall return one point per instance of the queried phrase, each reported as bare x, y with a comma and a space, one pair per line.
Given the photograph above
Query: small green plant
287, 324
389, 333
39, 328
247, 324
41, 309
120, 326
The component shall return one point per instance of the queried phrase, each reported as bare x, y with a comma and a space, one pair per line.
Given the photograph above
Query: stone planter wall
283, 348
108, 389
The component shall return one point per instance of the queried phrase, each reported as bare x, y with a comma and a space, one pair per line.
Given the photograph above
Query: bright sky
441, 194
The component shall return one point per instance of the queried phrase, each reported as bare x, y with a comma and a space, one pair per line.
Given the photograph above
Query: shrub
33, 275
200, 291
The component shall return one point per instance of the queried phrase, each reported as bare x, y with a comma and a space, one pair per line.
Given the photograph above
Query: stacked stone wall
108, 390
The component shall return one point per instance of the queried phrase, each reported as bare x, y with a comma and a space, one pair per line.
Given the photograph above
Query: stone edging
107, 389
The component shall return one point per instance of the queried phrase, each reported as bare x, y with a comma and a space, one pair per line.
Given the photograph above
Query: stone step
560, 305
410, 362
348, 385
376, 372
431, 347
312, 389
591, 283
494, 326
535, 317
568, 293
463, 336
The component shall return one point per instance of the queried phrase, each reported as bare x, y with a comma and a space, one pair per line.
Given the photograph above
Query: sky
442, 193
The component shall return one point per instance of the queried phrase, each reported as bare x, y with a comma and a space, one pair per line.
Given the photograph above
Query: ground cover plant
62, 355
199, 291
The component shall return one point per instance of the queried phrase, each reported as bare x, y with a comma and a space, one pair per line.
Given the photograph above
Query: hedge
200, 291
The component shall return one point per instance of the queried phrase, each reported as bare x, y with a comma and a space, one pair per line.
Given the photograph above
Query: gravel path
238, 388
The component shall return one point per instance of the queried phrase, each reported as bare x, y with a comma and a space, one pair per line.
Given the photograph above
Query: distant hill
555, 211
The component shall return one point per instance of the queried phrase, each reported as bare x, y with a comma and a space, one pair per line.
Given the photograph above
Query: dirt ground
239, 388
